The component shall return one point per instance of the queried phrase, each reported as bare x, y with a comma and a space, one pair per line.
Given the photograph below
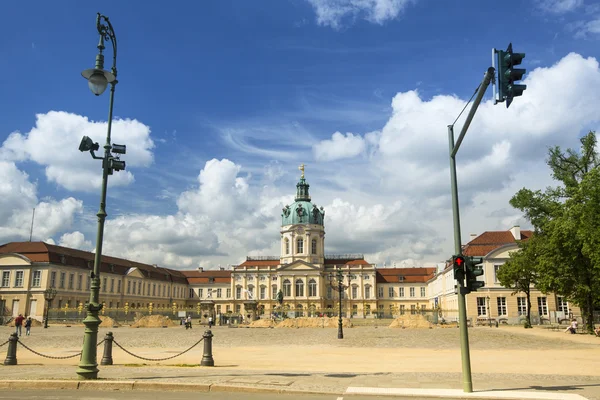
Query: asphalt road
153, 395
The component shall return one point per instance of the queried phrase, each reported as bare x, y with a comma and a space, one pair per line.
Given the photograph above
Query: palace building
303, 272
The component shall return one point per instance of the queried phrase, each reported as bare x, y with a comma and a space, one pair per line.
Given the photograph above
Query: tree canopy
567, 232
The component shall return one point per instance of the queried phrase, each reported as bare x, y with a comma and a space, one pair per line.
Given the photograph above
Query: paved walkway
231, 379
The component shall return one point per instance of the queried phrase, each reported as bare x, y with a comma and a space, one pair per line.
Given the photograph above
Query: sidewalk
217, 378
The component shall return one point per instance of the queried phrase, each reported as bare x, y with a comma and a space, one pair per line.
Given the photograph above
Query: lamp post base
340, 331
88, 365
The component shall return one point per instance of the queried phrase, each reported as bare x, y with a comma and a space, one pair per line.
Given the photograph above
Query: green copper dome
302, 211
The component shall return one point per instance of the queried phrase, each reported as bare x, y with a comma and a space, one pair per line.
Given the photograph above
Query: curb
23, 384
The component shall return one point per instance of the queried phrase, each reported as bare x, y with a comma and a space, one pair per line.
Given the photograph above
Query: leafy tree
520, 272
566, 226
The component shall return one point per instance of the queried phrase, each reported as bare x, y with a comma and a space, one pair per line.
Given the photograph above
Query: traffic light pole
462, 309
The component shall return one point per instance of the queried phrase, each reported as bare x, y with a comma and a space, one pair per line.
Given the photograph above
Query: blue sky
264, 85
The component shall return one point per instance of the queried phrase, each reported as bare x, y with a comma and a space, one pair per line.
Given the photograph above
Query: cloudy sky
218, 103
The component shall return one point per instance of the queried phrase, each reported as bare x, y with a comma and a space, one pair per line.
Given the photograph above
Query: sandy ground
505, 350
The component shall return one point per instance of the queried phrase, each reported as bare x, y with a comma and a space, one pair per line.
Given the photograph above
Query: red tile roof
208, 276
410, 275
260, 263
41, 252
491, 240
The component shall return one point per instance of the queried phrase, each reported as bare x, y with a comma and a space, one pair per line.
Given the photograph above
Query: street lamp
339, 286
49, 295
98, 79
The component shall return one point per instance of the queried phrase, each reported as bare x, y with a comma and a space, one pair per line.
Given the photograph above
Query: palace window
71, 281
354, 292
6, 279
104, 284
354, 310
299, 287
367, 292
380, 292
300, 246
287, 246
53, 279
481, 307
562, 305
501, 301
402, 309
422, 292
63, 276
400, 292
88, 282
367, 309
119, 286
312, 288
200, 293
273, 292
112, 285
153, 288
251, 292
314, 246
496, 268
238, 292
287, 288
542, 306
228, 293
413, 309
129, 287
329, 292
79, 281
37, 279
192, 293
390, 292
263, 292
219, 293
412, 292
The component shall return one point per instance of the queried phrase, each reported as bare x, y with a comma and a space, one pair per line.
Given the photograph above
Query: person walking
19, 324
188, 322
209, 322
28, 322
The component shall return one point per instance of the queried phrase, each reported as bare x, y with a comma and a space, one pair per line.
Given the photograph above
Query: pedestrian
209, 322
28, 326
19, 324
572, 328
188, 322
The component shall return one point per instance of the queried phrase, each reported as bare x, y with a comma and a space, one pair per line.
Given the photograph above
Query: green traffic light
507, 75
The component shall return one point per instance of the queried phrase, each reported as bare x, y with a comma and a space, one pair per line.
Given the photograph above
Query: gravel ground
509, 338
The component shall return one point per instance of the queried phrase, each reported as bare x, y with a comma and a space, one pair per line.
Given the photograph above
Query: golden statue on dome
301, 168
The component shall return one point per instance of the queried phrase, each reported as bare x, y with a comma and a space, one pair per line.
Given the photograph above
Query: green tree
520, 272
566, 226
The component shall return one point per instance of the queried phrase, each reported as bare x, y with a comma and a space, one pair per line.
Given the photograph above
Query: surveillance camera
119, 148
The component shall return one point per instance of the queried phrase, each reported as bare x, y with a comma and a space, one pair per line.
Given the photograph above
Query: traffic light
508, 74
458, 263
473, 271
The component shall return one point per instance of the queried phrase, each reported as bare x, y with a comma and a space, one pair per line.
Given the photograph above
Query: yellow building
494, 301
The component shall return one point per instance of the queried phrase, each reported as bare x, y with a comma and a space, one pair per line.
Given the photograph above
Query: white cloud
339, 147
18, 198
75, 240
559, 6
585, 29
54, 143
332, 12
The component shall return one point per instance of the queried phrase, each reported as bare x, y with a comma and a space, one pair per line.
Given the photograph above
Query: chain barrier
4, 343
53, 357
157, 359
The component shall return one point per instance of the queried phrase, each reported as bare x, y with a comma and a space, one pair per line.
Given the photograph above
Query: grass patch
184, 365
134, 365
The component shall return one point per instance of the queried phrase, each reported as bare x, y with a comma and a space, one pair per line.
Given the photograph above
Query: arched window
313, 248
299, 310
287, 246
287, 288
299, 287
300, 246
312, 288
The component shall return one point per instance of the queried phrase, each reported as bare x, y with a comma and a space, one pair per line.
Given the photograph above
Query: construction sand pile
108, 322
153, 321
411, 321
313, 323
262, 323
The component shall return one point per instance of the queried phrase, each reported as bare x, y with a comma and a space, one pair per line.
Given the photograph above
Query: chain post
207, 357
11, 353
107, 357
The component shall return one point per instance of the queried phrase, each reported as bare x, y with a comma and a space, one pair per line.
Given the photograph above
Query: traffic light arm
482, 88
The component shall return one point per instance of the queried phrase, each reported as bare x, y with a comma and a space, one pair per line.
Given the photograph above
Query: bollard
11, 353
108, 342
207, 357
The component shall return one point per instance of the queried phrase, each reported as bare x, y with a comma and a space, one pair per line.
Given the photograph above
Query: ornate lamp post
338, 285
98, 79
49, 295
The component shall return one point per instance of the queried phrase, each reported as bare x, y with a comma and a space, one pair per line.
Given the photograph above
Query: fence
107, 358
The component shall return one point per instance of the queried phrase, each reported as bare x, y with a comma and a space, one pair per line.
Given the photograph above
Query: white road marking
446, 393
